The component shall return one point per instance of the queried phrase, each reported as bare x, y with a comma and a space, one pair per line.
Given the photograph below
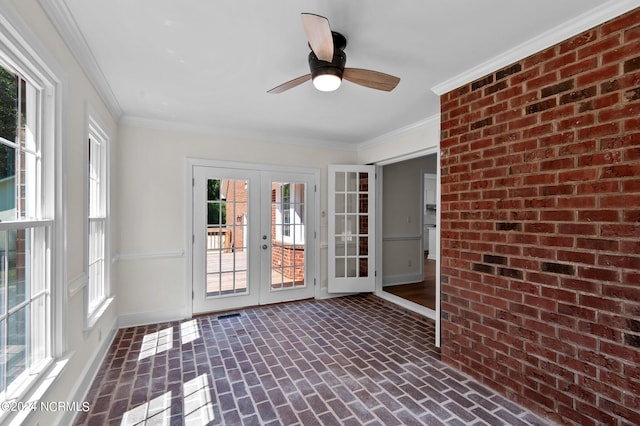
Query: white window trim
96, 130
23, 52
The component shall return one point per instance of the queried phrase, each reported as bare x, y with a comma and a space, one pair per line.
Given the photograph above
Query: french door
351, 229
253, 237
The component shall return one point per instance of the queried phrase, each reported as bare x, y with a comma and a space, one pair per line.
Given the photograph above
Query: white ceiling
208, 64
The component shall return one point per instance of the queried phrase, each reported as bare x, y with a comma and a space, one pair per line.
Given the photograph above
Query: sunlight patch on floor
157, 412
198, 408
189, 331
154, 343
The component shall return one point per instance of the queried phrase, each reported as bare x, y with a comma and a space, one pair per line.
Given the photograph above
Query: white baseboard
151, 317
326, 295
406, 304
402, 279
87, 376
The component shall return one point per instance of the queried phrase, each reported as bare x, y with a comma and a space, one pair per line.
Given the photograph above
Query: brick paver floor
346, 361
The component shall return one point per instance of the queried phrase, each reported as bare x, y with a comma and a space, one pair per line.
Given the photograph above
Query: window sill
27, 401
96, 315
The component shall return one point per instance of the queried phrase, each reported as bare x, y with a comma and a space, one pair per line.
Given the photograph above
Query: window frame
22, 56
33, 221
95, 309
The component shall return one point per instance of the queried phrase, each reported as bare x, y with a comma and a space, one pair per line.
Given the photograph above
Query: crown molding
235, 133
434, 120
62, 19
573, 27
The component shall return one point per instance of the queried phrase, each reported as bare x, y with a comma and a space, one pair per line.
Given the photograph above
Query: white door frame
190, 163
435, 315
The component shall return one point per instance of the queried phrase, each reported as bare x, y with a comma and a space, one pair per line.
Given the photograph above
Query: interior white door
253, 237
351, 229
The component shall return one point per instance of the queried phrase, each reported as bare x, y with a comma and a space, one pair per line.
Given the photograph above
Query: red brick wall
541, 228
288, 259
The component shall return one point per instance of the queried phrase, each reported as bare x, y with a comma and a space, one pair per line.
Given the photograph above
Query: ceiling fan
327, 61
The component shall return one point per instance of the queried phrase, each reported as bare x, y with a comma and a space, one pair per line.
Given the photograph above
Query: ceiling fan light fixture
327, 71
327, 76
326, 82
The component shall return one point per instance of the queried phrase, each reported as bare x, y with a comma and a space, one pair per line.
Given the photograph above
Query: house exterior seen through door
253, 237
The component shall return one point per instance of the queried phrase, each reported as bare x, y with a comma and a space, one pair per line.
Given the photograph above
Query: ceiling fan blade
319, 35
372, 79
290, 84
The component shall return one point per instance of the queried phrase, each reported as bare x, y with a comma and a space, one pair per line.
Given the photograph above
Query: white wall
398, 152
409, 142
402, 220
84, 348
151, 191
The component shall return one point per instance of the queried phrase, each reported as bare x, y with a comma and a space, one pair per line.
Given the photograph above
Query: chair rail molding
149, 255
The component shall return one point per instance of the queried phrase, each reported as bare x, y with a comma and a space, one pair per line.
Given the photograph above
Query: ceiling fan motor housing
337, 64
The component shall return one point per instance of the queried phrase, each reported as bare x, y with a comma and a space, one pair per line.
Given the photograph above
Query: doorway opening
422, 292
410, 248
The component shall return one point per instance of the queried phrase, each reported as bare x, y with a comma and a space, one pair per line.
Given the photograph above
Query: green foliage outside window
216, 205
8, 121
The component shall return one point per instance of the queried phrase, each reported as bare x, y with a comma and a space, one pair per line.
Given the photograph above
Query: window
289, 212
32, 257
97, 289
25, 233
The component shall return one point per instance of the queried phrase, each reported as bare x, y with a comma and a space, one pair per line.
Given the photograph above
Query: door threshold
406, 304
227, 313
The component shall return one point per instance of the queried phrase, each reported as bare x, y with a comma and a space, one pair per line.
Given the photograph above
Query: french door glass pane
340, 267
352, 181
351, 267
340, 203
287, 235
351, 247
364, 246
364, 267
340, 182
227, 225
364, 203
352, 206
